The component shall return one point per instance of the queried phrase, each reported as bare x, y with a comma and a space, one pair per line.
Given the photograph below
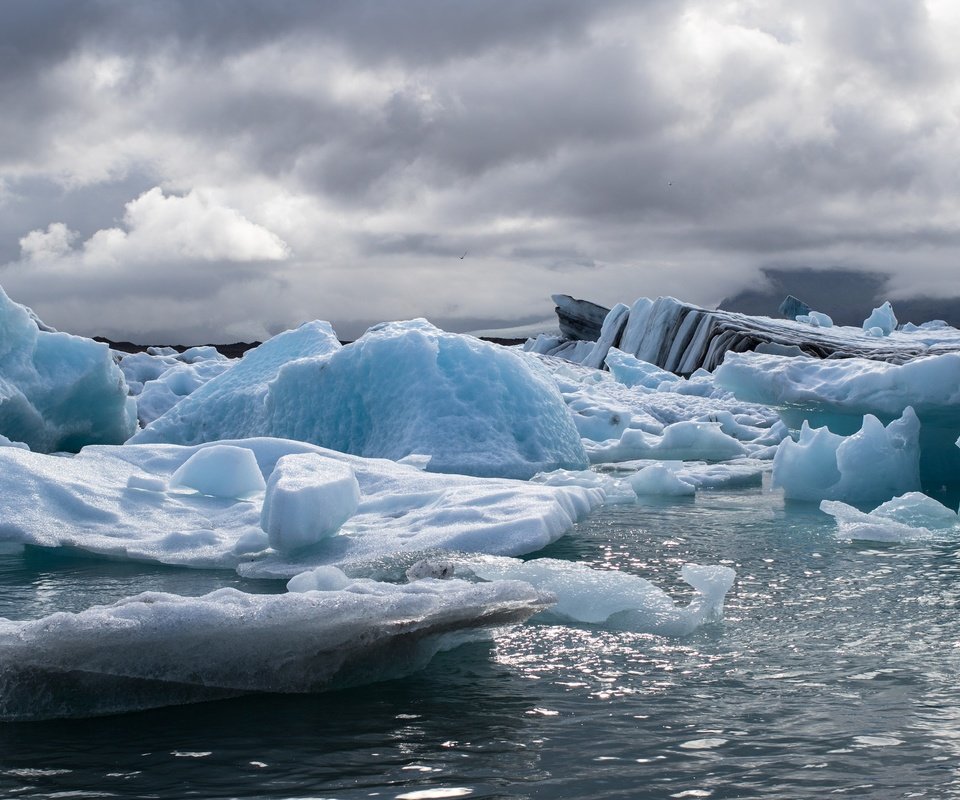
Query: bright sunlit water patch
835, 671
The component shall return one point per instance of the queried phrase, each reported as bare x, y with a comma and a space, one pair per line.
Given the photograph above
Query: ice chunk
160, 649
308, 498
230, 406
320, 579
816, 318
221, 470
683, 441
882, 318
631, 371
615, 598
57, 391
907, 518
98, 502
660, 479
871, 465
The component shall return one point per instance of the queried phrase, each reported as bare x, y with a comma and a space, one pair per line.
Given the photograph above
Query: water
834, 673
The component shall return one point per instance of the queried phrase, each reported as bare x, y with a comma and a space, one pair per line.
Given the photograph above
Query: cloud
335, 160
162, 229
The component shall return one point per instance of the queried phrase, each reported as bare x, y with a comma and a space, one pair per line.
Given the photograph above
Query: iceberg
58, 392
403, 388
838, 393
688, 440
874, 464
682, 338
158, 649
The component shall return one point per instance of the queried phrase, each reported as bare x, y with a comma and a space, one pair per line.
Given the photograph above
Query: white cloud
53, 243
162, 229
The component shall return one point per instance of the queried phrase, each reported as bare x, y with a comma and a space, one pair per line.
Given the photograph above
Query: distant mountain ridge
847, 295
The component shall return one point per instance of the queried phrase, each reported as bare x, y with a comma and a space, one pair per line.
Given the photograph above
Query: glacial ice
111, 501
882, 318
872, 465
159, 649
231, 405
613, 598
308, 498
57, 391
909, 517
838, 393
402, 388
161, 380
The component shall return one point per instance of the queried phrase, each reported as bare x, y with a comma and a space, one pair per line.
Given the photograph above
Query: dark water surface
835, 673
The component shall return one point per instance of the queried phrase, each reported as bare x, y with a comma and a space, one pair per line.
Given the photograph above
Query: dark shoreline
237, 349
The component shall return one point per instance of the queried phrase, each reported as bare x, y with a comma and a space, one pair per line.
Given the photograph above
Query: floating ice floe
872, 465
159, 649
117, 502
403, 388
613, 598
57, 391
882, 319
910, 517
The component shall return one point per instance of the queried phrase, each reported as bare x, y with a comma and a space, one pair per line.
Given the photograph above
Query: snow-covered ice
111, 501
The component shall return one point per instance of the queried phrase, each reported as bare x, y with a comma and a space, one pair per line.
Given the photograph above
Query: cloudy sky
214, 171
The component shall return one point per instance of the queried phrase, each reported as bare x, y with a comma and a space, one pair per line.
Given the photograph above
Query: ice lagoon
811, 649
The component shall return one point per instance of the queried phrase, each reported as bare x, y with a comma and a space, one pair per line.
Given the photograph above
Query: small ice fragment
308, 498
221, 470
321, 579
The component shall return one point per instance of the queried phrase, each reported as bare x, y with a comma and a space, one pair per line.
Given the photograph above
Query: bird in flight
464, 254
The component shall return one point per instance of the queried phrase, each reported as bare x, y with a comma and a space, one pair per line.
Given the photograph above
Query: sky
215, 171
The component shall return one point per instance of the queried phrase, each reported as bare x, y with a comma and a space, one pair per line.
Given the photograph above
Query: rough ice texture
681, 337
57, 391
403, 388
837, 393
158, 649
661, 480
613, 598
910, 517
604, 409
161, 380
631, 371
231, 405
308, 498
109, 501
221, 470
869, 466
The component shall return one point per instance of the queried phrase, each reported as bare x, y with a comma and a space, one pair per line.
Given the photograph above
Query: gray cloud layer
340, 157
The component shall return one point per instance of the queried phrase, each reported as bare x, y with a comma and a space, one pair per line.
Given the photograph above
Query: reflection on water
834, 672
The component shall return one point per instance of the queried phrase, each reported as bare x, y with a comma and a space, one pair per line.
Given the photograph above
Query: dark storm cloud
566, 146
